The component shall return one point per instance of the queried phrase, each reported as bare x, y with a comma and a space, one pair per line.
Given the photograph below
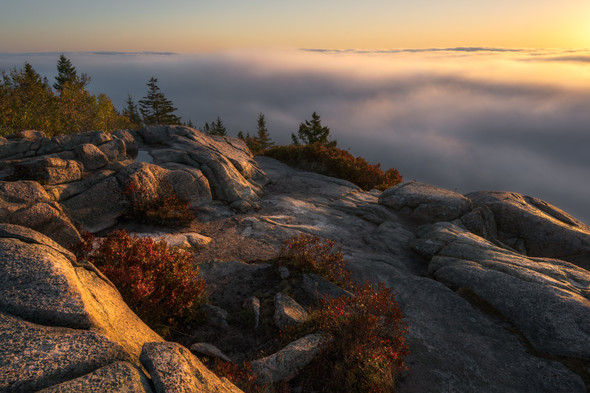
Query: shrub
332, 161
368, 347
309, 253
158, 282
167, 208
242, 377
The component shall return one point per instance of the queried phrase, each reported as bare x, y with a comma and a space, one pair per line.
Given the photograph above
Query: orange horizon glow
185, 27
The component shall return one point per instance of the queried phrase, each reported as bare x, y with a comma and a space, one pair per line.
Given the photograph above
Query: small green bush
335, 162
158, 282
309, 253
164, 209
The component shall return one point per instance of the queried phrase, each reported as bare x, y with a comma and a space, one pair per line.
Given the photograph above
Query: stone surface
216, 316
209, 350
544, 230
175, 369
91, 157
99, 207
285, 364
43, 284
425, 201
33, 357
226, 162
48, 170
117, 377
252, 304
317, 288
288, 313
186, 239
546, 299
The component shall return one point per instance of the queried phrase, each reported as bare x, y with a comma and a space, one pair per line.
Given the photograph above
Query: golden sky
197, 26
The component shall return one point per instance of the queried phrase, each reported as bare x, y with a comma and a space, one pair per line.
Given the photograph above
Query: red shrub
368, 347
311, 254
166, 208
158, 282
332, 161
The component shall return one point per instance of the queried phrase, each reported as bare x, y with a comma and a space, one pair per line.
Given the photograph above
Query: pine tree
155, 108
312, 131
131, 112
67, 76
217, 128
263, 138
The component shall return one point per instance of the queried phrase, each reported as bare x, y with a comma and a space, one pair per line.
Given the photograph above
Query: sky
189, 26
464, 95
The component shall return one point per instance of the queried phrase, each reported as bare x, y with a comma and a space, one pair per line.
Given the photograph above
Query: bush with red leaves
158, 282
166, 208
309, 253
332, 161
368, 348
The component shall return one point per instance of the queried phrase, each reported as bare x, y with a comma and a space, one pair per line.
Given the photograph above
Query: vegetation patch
332, 161
368, 347
308, 253
158, 282
166, 209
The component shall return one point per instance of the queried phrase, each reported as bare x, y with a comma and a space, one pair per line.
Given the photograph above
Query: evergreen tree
217, 128
26, 101
66, 74
207, 128
263, 137
312, 131
131, 112
155, 108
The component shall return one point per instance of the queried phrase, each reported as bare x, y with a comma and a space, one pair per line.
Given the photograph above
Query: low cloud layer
461, 118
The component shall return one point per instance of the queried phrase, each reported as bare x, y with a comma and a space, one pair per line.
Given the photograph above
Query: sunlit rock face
537, 228
88, 173
494, 286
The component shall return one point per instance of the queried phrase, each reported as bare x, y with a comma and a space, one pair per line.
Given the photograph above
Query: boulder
536, 227
174, 368
91, 157
424, 201
33, 357
26, 203
318, 288
23, 192
44, 284
117, 377
285, 364
252, 304
209, 350
548, 300
47, 170
216, 316
50, 220
288, 313
226, 162
99, 207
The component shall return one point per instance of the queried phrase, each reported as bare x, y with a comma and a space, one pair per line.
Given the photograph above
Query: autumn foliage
335, 162
158, 282
368, 347
309, 253
165, 208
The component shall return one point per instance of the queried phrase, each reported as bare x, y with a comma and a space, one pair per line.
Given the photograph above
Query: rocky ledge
493, 285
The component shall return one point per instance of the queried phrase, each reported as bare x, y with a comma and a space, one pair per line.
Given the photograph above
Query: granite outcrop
494, 286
